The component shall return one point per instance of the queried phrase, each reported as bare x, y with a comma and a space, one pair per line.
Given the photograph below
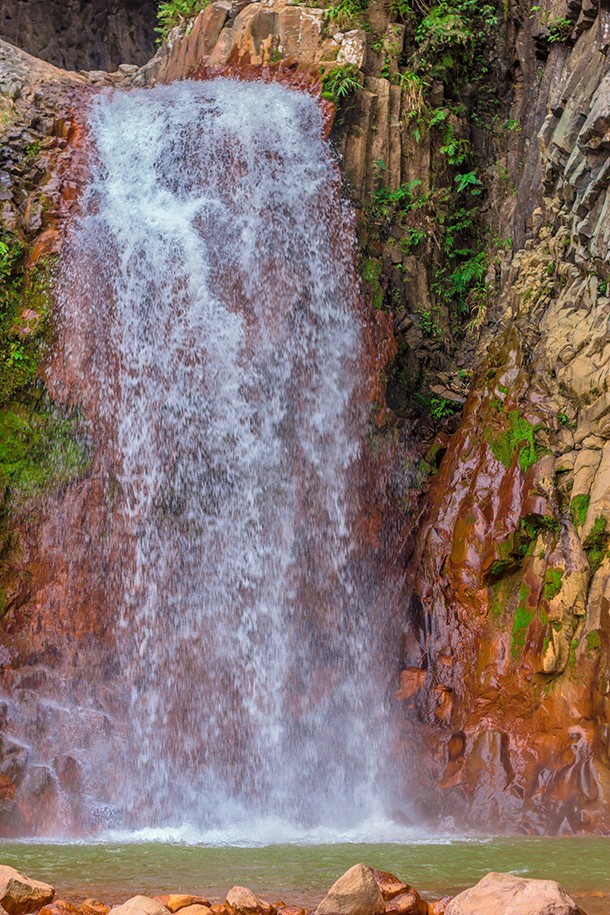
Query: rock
505, 894
19, 894
293, 910
196, 910
140, 905
409, 903
59, 907
355, 893
175, 902
439, 906
389, 885
242, 901
94, 907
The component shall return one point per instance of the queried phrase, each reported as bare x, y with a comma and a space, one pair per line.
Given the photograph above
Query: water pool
302, 874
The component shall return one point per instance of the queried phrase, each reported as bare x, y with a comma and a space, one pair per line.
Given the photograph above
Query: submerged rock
355, 893
19, 894
505, 894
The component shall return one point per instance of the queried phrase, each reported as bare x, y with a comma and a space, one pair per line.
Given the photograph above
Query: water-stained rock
505, 894
242, 901
176, 901
355, 893
140, 905
20, 894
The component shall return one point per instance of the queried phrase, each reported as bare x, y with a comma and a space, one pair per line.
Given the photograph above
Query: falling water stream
210, 320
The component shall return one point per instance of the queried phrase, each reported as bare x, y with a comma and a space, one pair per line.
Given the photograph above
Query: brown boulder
505, 894
439, 906
355, 893
409, 903
389, 885
59, 907
140, 905
175, 902
196, 909
94, 907
19, 894
293, 910
242, 901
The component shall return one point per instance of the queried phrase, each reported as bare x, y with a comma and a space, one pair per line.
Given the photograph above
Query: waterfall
211, 321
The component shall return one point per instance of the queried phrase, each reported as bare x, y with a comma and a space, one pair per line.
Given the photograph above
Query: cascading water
211, 324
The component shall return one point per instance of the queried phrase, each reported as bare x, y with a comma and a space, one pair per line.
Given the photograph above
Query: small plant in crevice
338, 83
172, 13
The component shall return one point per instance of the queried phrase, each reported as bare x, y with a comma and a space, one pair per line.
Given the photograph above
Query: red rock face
62, 627
514, 741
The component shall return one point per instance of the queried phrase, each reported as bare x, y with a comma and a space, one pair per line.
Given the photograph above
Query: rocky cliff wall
484, 230
508, 664
81, 34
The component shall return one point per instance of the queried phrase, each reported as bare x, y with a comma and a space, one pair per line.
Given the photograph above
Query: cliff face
508, 665
80, 35
485, 227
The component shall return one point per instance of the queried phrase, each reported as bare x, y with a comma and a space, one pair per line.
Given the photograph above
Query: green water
302, 874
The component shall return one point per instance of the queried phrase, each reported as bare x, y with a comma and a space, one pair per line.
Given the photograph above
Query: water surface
302, 874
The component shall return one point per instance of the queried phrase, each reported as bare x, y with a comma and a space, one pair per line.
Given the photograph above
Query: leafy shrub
340, 82
174, 12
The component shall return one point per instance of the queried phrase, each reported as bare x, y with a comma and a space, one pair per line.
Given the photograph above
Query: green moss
41, 448
22, 340
596, 544
524, 615
517, 439
371, 274
573, 647
552, 583
579, 506
594, 642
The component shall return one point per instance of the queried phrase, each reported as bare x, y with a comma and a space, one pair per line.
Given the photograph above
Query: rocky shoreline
360, 891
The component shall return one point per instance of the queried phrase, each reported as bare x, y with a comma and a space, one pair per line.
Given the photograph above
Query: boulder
175, 902
242, 901
409, 903
196, 909
355, 893
293, 910
439, 906
140, 905
59, 907
505, 894
94, 907
389, 885
19, 894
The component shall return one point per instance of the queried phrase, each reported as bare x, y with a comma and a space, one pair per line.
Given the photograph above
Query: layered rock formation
79, 35
508, 664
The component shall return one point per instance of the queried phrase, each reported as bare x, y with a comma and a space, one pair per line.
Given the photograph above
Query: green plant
468, 180
560, 29
595, 544
524, 615
579, 506
441, 408
346, 14
594, 642
517, 439
552, 583
340, 82
176, 12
